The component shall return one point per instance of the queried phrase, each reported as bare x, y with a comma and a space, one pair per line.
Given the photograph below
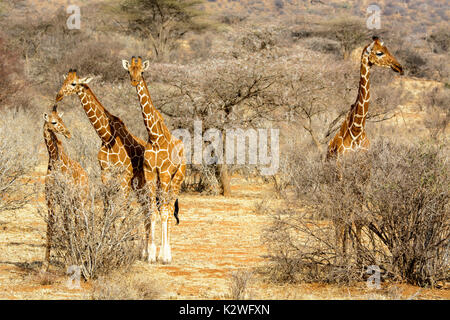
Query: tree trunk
225, 180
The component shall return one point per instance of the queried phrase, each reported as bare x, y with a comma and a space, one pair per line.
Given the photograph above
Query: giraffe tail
175, 211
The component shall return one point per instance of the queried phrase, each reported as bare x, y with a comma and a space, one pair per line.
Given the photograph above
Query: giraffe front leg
50, 219
150, 222
152, 248
165, 254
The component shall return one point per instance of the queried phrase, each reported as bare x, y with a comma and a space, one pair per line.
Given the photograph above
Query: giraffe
120, 150
58, 161
164, 164
352, 135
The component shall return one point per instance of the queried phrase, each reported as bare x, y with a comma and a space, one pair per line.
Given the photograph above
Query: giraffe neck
96, 113
54, 146
154, 123
357, 118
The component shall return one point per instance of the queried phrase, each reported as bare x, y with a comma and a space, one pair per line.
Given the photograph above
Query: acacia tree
223, 94
163, 22
349, 32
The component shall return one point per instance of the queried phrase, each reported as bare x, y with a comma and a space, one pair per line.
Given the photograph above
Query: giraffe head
136, 68
55, 123
379, 55
72, 84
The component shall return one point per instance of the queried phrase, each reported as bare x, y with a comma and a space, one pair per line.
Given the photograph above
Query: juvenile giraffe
120, 149
58, 161
352, 135
164, 164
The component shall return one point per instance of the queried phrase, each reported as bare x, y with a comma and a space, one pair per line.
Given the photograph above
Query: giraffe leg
165, 255
152, 248
150, 222
50, 221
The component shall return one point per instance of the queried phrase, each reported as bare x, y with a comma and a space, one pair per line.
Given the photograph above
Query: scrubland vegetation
291, 65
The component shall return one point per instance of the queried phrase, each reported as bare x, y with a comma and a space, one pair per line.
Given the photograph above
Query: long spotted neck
153, 120
357, 119
96, 113
54, 146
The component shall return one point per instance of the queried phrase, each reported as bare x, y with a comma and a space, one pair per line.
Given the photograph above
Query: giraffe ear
65, 76
86, 80
125, 64
45, 116
145, 65
60, 114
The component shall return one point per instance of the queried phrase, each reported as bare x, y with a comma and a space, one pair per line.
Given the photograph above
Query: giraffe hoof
152, 254
165, 255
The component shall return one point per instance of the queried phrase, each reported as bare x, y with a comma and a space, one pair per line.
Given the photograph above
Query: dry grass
239, 285
121, 286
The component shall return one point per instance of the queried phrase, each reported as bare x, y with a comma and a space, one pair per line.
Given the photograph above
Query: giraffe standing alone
352, 135
120, 149
58, 161
164, 163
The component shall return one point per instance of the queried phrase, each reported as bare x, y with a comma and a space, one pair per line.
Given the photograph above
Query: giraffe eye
53, 122
73, 84
379, 54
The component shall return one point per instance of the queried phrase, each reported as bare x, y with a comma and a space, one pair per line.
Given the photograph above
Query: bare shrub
50, 48
412, 61
97, 233
437, 112
324, 45
12, 77
408, 203
440, 40
201, 178
18, 158
239, 285
232, 18
399, 194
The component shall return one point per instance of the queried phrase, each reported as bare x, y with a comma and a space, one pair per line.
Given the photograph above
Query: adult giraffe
164, 163
352, 135
58, 161
120, 149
